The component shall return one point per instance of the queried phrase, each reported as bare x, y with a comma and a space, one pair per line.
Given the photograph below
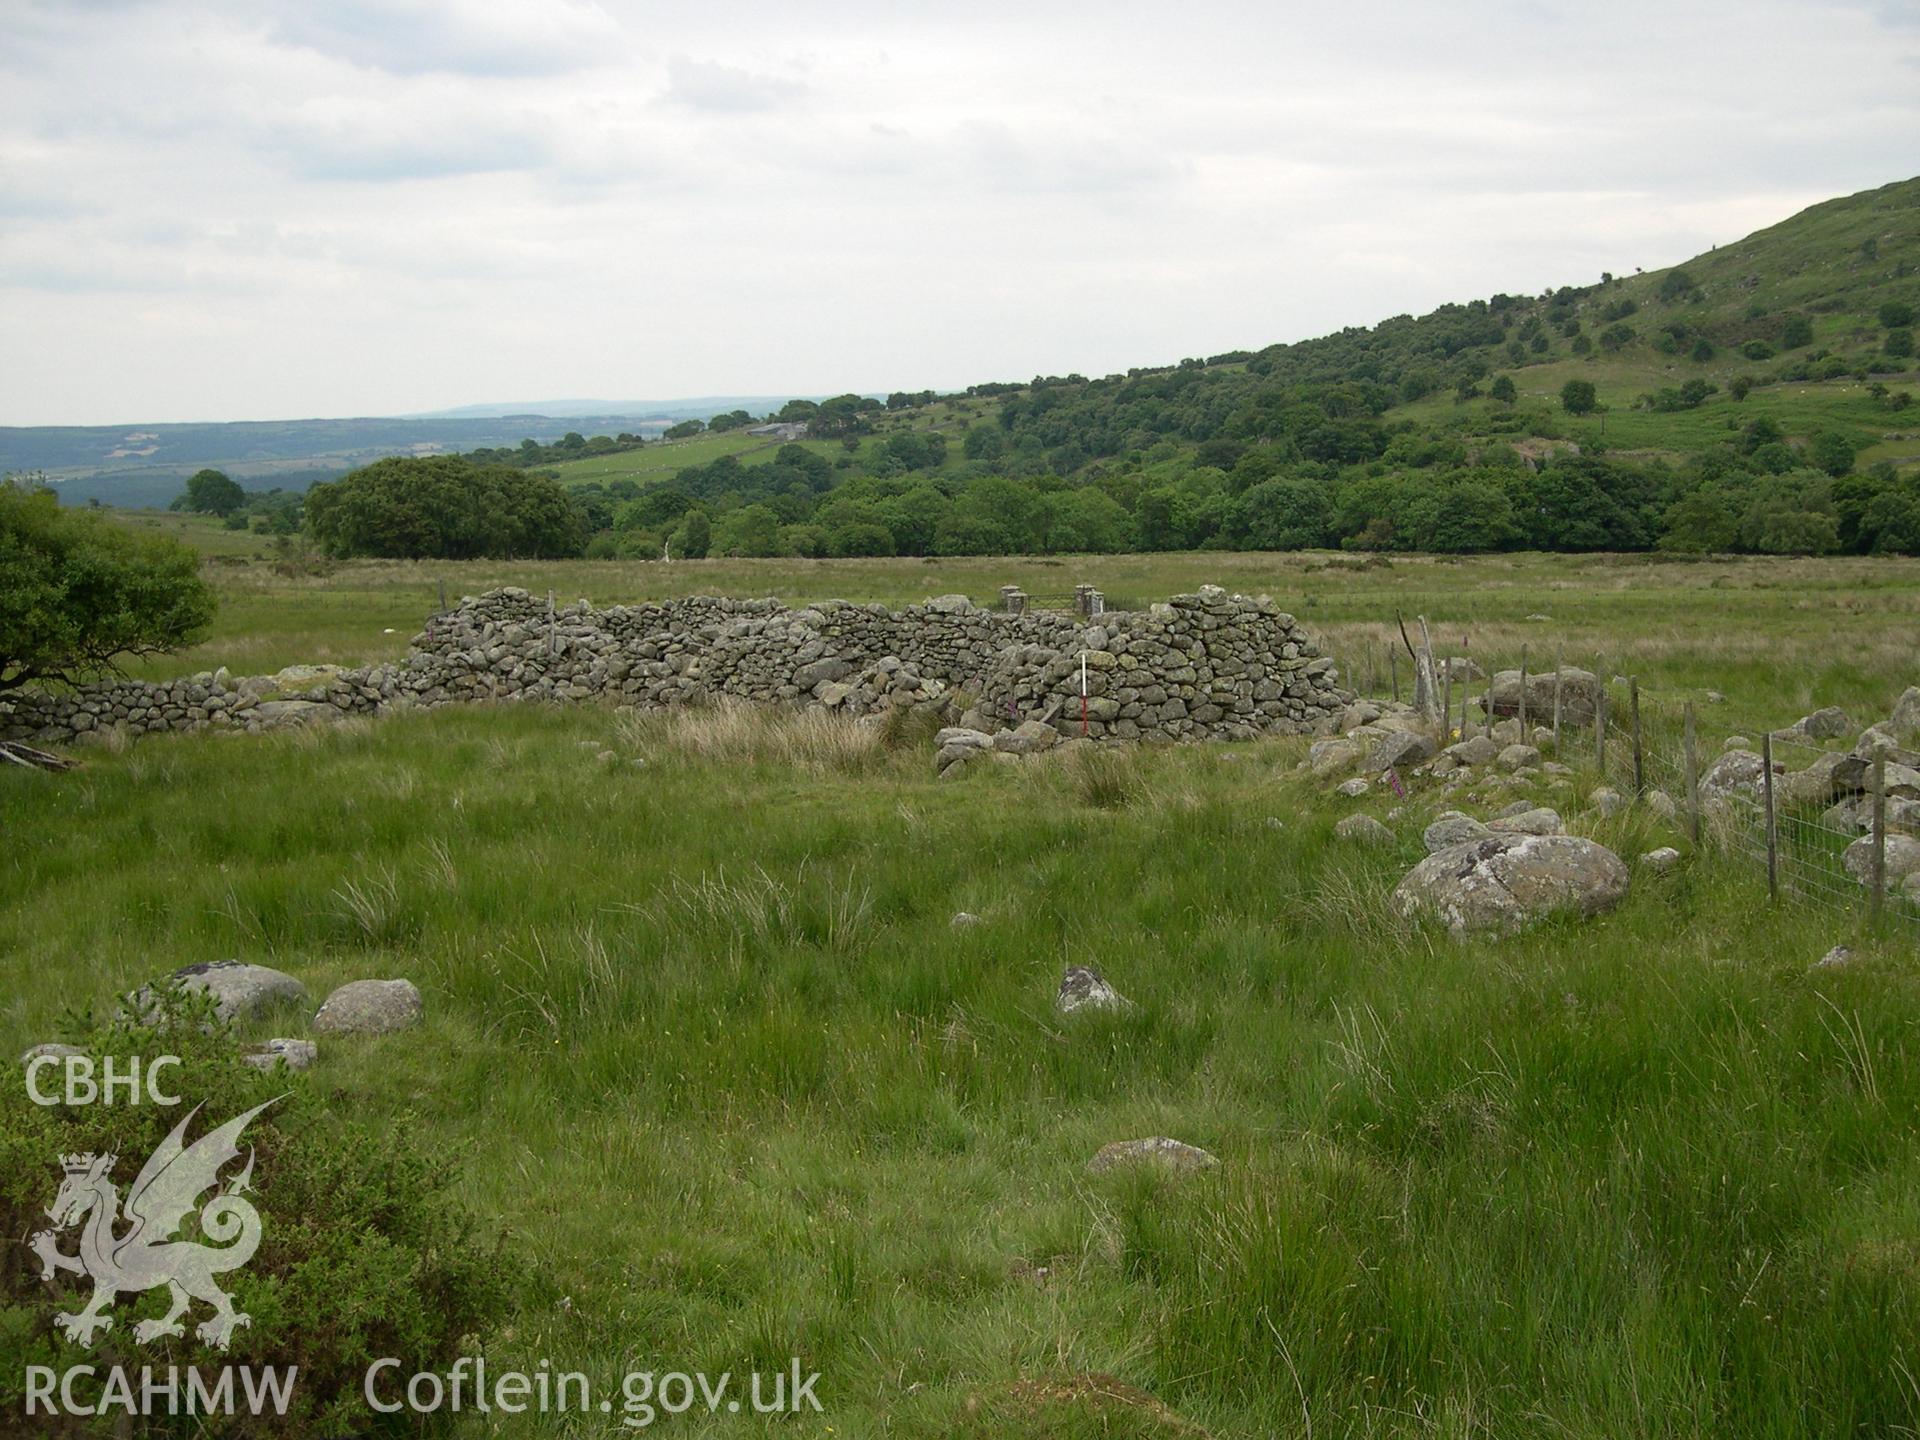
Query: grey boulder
1505, 883
370, 1007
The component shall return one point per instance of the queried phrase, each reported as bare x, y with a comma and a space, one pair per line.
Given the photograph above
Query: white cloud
223, 208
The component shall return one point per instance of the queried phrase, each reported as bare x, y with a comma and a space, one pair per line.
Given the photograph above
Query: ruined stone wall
1205, 665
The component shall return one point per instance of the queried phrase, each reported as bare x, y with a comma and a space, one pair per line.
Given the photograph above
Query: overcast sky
266, 209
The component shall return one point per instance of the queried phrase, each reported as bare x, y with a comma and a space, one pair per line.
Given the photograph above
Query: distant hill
663, 411
145, 464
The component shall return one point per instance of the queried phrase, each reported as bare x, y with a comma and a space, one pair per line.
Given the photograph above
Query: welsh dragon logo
146, 1255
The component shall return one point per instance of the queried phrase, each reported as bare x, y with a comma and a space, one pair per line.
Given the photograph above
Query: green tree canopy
443, 507
211, 492
77, 591
1579, 397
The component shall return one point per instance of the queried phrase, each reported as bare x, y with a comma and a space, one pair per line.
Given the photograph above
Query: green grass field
735, 1089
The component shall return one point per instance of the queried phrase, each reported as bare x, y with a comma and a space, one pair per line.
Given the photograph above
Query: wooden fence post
443, 597
1773, 825
1523, 695
1879, 834
1600, 732
1639, 755
1393, 664
1693, 779
1559, 665
1446, 706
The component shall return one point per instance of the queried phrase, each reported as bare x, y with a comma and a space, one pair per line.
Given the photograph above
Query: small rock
1274, 822
1400, 749
1516, 757
1353, 789
1828, 724
1452, 828
1363, 828
1714, 697
1157, 1150
1835, 959
1662, 860
1736, 742
1607, 801
51, 1047
1538, 820
289, 1054
240, 991
963, 918
1084, 988
1480, 750
1660, 804
370, 1007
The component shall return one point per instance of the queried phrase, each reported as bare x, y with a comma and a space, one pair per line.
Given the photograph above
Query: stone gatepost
1014, 599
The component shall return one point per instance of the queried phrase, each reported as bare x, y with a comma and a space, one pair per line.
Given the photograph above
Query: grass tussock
736, 732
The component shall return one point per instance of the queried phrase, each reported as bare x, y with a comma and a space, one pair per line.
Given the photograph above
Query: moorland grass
738, 1090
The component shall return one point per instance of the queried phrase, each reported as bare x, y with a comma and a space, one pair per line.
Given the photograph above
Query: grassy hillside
1757, 398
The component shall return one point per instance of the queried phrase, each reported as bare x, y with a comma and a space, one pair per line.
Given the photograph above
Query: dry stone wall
1209, 665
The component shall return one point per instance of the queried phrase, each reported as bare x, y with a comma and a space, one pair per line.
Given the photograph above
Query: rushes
766, 911
733, 732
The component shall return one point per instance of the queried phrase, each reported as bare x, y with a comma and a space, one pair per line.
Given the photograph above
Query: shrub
445, 507
1579, 397
1796, 332
364, 1250
1896, 315
1757, 350
1898, 344
77, 591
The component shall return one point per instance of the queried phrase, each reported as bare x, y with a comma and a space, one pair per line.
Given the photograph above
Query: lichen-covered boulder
1453, 828
370, 1007
1903, 859
1505, 883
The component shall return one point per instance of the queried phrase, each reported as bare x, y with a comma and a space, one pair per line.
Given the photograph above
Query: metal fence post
1773, 826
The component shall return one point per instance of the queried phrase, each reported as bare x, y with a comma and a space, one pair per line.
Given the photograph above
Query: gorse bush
364, 1251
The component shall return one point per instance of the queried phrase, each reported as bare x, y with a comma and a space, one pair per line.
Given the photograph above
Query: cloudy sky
250, 209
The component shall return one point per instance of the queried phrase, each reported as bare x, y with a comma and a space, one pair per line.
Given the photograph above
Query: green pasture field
1801, 408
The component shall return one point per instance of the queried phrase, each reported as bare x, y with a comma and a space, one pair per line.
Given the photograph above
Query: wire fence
1825, 821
